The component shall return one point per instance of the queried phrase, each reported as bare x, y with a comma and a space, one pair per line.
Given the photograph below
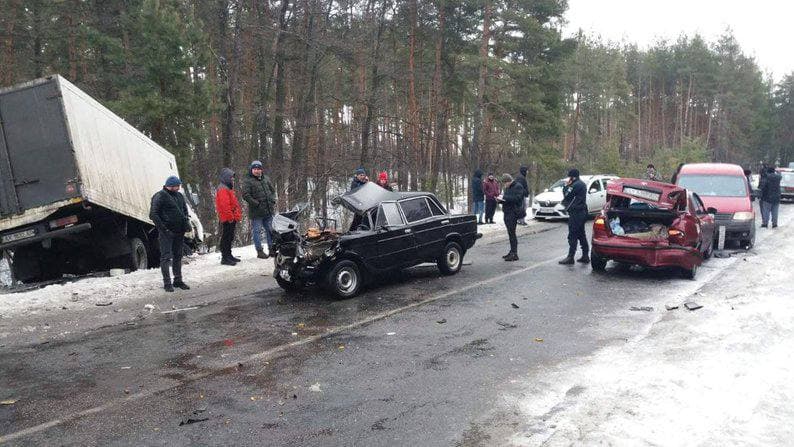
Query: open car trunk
644, 211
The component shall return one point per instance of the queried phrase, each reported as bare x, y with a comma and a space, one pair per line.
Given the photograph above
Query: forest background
427, 91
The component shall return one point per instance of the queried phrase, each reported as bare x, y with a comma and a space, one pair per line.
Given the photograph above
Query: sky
762, 27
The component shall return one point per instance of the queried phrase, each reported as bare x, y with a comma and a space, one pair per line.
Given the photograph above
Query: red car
652, 224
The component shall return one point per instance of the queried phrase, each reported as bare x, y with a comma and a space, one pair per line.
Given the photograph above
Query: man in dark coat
770, 197
359, 179
478, 195
260, 195
170, 216
575, 202
521, 179
513, 209
492, 190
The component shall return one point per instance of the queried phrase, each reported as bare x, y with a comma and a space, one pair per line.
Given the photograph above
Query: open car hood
660, 195
365, 197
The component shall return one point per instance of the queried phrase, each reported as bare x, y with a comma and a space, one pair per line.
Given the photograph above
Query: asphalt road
420, 359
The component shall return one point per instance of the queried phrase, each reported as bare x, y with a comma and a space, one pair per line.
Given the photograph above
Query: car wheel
451, 259
691, 273
288, 286
345, 279
139, 257
598, 263
709, 252
749, 243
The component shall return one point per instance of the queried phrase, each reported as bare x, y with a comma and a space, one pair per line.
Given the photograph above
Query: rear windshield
715, 185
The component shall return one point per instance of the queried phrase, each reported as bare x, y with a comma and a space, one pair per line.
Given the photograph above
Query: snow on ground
87, 292
721, 375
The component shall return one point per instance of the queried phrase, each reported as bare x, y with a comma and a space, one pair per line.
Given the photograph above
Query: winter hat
173, 181
226, 177
361, 171
573, 173
383, 176
256, 164
523, 170
507, 178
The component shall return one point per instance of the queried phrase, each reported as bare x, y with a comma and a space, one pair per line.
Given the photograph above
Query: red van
652, 224
724, 187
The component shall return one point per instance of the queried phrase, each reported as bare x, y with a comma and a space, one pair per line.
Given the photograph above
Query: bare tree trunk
281, 95
440, 131
479, 113
366, 128
8, 64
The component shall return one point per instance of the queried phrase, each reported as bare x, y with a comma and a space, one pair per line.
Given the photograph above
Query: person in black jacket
770, 197
359, 179
478, 196
513, 208
170, 216
521, 179
575, 201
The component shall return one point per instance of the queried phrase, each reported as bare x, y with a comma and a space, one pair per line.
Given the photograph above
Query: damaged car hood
365, 197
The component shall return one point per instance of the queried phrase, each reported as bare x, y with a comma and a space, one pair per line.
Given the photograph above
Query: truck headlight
743, 216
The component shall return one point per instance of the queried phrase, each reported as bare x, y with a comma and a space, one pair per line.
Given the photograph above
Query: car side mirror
711, 210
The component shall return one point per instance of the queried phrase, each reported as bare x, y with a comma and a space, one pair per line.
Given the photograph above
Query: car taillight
675, 234
64, 221
600, 223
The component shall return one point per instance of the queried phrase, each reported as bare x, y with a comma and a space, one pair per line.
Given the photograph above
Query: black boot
567, 261
261, 254
511, 257
584, 259
165, 268
235, 258
180, 284
228, 261
178, 275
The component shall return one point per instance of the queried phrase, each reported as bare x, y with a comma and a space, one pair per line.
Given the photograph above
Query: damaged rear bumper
648, 254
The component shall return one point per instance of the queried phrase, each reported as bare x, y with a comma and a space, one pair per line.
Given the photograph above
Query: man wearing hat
170, 216
359, 179
575, 203
260, 195
513, 209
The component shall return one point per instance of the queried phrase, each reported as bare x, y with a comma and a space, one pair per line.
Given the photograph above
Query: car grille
723, 216
547, 204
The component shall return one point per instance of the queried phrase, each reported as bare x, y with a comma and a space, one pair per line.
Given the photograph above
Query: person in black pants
513, 209
229, 213
575, 202
169, 214
492, 190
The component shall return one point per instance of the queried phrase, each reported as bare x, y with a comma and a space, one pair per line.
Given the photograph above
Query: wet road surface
419, 359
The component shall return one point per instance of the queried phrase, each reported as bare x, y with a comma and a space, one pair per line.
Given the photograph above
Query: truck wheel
345, 279
138, 259
451, 259
598, 263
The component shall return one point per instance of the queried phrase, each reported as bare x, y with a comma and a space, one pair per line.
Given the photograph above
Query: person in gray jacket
258, 192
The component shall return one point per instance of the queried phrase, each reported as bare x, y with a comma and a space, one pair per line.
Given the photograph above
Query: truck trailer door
9, 203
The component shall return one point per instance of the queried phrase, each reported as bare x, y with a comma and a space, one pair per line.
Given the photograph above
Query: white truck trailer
76, 183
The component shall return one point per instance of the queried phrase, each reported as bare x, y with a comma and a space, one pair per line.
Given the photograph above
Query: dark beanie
173, 181
573, 173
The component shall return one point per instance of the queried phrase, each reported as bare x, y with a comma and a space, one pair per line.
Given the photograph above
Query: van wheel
598, 263
138, 259
692, 273
345, 279
451, 259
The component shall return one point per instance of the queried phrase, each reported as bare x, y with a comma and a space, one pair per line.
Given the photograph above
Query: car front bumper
548, 212
735, 230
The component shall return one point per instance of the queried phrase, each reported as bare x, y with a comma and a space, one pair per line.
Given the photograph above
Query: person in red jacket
229, 213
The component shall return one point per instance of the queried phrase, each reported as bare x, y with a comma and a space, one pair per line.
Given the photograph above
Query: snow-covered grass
721, 375
199, 270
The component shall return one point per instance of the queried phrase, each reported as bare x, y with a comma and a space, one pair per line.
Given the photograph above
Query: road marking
263, 355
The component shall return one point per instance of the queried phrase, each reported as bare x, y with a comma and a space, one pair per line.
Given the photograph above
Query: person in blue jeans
259, 194
478, 195
770, 198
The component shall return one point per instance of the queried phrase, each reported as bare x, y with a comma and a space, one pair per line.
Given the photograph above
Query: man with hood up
492, 190
478, 196
170, 216
260, 195
229, 213
575, 202
521, 179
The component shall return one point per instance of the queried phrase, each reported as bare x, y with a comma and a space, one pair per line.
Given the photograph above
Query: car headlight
559, 207
743, 216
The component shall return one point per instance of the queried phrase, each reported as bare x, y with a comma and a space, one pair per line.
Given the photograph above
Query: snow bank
720, 375
200, 269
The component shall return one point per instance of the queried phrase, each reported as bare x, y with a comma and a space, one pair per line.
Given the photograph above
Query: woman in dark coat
513, 209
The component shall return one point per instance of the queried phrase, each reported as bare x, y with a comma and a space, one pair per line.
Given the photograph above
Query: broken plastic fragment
692, 305
539, 340
8, 402
315, 388
671, 306
442, 321
515, 306
641, 308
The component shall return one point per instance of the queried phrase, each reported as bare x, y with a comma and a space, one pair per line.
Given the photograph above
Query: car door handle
445, 221
407, 230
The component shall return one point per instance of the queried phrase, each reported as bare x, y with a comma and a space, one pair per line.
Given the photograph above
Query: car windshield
556, 187
788, 179
715, 185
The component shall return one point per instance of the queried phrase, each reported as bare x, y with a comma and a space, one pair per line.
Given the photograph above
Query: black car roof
370, 195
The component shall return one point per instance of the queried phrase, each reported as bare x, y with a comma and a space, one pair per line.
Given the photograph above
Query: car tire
691, 273
451, 259
709, 252
288, 286
345, 279
138, 259
598, 263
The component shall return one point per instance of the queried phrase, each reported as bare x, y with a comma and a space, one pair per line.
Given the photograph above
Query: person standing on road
575, 202
651, 174
170, 216
478, 196
492, 190
229, 213
770, 198
359, 179
513, 209
260, 195
521, 179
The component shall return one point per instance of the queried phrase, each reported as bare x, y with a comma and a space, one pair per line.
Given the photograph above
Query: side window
700, 208
435, 208
415, 209
595, 186
388, 214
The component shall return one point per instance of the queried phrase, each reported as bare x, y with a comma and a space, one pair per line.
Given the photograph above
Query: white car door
596, 196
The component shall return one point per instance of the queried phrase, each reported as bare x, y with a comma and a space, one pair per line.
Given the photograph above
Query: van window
415, 209
714, 185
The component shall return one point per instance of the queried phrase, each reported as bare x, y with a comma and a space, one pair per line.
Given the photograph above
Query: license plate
19, 236
547, 210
